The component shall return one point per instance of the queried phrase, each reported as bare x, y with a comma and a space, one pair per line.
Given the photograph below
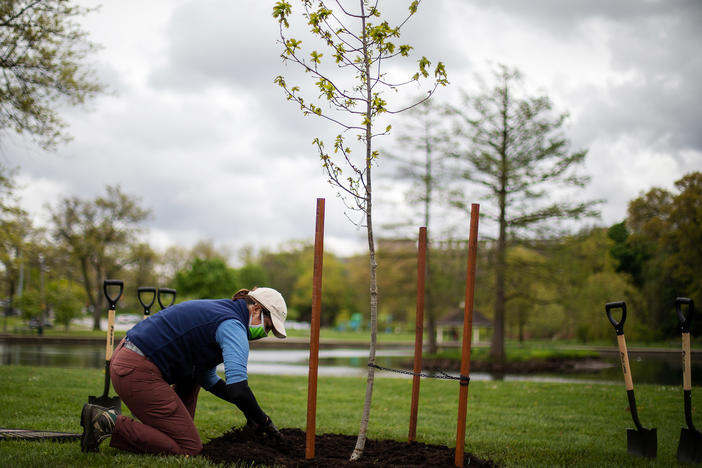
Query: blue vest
180, 340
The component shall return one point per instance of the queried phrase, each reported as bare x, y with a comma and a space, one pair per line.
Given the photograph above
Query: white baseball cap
273, 301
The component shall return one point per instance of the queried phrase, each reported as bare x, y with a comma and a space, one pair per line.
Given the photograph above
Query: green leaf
281, 10
291, 45
405, 49
423, 64
440, 74
315, 56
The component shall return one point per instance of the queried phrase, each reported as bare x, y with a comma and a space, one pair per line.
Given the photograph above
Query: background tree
515, 151
350, 84
685, 235
252, 275
42, 57
422, 137
207, 279
337, 297
141, 265
284, 267
628, 259
98, 234
66, 299
14, 228
665, 233
170, 262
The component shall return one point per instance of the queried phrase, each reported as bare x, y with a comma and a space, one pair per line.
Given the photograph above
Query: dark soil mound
330, 450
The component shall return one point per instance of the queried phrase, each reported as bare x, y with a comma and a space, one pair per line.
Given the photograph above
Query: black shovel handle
113, 299
618, 326
685, 321
145, 290
166, 292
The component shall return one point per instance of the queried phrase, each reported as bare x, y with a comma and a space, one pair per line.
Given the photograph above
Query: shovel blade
642, 442
113, 403
690, 446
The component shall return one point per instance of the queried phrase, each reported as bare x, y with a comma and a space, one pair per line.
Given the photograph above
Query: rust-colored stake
419, 329
467, 333
314, 331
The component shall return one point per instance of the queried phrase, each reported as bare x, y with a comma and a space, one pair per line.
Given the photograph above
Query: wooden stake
314, 331
467, 333
419, 329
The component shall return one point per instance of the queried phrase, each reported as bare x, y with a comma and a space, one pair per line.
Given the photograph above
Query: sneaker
98, 424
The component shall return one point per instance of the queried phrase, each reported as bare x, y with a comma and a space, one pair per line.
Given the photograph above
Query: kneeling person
158, 369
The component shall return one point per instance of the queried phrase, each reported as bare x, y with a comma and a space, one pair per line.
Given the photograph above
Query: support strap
464, 379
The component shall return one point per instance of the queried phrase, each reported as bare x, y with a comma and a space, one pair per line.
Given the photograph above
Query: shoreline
303, 343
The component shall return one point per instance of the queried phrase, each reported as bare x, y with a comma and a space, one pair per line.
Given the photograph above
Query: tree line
557, 287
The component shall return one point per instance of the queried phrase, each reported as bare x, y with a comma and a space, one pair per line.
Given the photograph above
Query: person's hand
269, 429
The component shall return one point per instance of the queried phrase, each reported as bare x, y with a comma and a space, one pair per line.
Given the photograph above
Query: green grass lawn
513, 423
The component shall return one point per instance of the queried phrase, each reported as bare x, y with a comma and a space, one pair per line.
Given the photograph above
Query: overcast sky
194, 126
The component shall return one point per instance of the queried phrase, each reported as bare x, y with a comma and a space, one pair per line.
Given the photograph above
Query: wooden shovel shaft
109, 345
687, 373
624, 356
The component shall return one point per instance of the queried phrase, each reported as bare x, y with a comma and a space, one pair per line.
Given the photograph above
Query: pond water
661, 370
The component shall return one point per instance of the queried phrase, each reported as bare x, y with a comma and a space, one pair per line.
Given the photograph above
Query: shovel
147, 307
690, 445
166, 292
639, 441
104, 400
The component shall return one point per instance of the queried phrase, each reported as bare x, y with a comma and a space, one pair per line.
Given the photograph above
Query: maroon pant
166, 413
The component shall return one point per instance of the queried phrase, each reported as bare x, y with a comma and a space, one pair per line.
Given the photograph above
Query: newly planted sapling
355, 43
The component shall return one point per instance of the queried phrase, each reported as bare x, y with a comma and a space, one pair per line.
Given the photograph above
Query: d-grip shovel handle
109, 345
685, 321
143, 290
113, 299
167, 292
618, 326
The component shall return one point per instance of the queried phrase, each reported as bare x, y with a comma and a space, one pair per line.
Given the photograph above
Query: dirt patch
330, 450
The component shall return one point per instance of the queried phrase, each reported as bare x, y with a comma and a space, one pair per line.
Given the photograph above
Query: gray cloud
219, 42
196, 128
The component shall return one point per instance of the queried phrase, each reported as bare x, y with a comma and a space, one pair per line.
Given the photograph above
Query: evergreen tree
517, 154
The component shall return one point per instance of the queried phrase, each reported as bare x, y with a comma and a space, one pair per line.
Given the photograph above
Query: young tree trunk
361, 440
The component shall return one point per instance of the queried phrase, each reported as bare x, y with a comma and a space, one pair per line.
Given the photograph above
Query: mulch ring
241, 445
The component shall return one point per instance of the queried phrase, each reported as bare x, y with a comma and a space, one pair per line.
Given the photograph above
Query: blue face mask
256, 332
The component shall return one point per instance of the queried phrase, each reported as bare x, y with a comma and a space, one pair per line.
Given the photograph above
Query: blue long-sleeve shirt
189, 340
